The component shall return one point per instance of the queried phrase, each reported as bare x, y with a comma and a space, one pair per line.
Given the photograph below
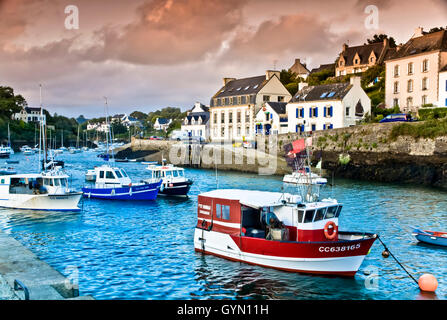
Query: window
215, 117
396, 87
330, 213
337, 214
239, 98
247, 131
309, 217
247, 116
320, 214
328, 111
230, 118
238, 131
395, 102
222, 131
222, 117
425, 65
266, 98
218, 211
280, 99
243, 100
396, 70
238, 116
118, 174
410, 68
109, 175
409, 102
410, 85
227, 101
314, 127
300, 216
226, 212
347, 111
313, 112
424, 99
425, 84
101, 174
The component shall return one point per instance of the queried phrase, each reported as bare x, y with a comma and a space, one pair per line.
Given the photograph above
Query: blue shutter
325, 113
310, 112
331, 126
330, 111
271, 115
446, 102
296, 128
324, 126
445, 85
297, 113
302, 112
316, 112
302, 128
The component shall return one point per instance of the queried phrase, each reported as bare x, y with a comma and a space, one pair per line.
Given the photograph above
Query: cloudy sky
148, 54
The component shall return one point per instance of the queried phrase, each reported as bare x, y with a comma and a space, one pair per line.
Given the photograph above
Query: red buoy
427, 282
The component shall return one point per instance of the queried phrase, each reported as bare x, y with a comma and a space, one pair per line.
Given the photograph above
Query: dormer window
356, 61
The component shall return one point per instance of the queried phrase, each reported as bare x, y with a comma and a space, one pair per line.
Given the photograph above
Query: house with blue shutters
328, 106
272, 119
442, 100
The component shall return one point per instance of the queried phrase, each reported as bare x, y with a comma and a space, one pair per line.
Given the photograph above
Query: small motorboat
4, 152
174, 181
12, 161
48, 191
26, 150
149, 162
122, 160
113, 183
431, 237
7, 171
304, 176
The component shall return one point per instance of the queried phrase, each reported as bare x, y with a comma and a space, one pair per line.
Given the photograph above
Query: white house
197, 121
272, 119
328, 106
233, 108
412, 72
129, 121
162, 124
442, 100
29, 114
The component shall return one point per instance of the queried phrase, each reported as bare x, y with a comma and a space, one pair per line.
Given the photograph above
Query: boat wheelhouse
278, 230
48, 191
174, 182
304, 176
112, 183
5, 152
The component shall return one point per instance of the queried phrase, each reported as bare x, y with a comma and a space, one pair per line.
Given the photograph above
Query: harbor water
144, 250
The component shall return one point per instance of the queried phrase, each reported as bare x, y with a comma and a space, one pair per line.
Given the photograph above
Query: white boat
47, 191
304, 176
7, 171
5, 152
174, 182
26, 150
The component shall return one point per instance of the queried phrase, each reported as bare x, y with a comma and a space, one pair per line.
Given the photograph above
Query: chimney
226, 80
355, 81
297, 61
302, 85
385, 42
418, 32
270, 73
345, 47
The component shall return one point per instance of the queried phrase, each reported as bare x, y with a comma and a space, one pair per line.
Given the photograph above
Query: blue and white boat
431, 237
112, 183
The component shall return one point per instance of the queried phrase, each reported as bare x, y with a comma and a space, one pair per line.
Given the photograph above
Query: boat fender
203, 224
162, 187
113, 192
330, 224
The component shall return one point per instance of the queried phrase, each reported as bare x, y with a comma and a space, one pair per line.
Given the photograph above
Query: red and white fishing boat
280, 231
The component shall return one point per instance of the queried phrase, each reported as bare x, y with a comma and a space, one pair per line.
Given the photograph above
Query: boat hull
431, 238
45, 202
176, 188
132, 193
342, 258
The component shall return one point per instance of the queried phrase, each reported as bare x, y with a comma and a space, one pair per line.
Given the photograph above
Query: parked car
194, 139
397, 117
179, 135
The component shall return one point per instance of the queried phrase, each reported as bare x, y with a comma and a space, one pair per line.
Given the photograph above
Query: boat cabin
268, 215
166, 171
34, 184
109, 177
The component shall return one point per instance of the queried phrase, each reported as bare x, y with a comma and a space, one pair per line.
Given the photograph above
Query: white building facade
197, 122
442, 100
272, 119
234, 107
29, 114
413, 72
327, 107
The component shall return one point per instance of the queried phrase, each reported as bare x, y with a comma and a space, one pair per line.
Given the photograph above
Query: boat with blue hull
112, 183
431, 237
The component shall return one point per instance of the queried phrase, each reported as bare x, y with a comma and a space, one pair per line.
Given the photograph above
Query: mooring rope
400, 264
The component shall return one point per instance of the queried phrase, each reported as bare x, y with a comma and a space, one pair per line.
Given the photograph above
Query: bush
428, 129
432, 113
